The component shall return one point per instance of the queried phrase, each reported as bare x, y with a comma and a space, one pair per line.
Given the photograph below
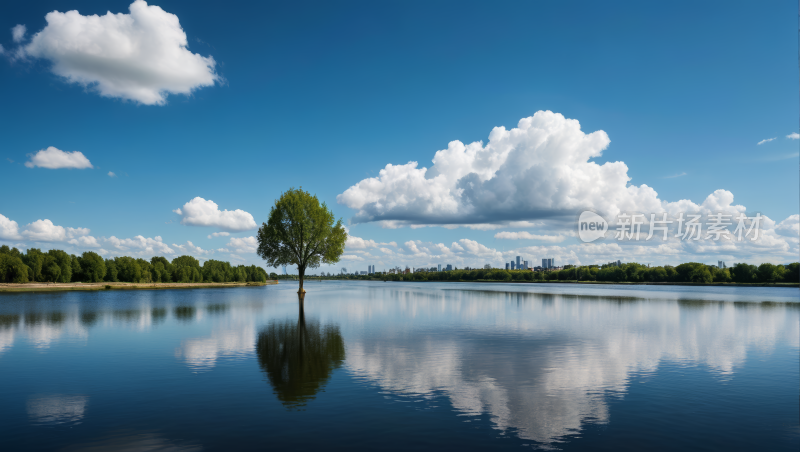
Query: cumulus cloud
244, 244
9, 229
219, 234
351, 257
54, 158
190, 248
111, 174
142, 56
46, 231
767, 140
140, 243
357, 243
18, 32
541, 169
523, 235
201, 212
793, 136
85, 241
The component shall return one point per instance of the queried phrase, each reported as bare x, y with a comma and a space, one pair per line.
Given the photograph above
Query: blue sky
324, 95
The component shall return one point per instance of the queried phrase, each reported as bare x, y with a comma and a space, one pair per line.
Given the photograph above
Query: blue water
393, 366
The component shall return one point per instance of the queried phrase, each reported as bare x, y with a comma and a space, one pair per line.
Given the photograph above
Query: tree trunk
301, 272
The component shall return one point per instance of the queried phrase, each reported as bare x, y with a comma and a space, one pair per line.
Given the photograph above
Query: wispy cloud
675, 175
111, 174
793, 136
766, 141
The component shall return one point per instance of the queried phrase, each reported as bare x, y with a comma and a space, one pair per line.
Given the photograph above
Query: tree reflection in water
299, 357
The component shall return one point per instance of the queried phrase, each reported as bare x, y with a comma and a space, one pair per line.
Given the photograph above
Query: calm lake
394, 366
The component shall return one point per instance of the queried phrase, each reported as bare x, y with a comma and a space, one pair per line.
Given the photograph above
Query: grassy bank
57, 287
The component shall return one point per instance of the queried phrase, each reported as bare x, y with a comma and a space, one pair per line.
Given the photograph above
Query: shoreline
624, 283
67, 287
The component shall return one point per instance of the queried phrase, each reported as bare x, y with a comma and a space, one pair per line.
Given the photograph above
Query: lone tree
300, 231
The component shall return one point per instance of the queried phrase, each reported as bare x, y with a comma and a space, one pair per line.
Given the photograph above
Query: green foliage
58, 266
12, 269
792, 273
93, 268
187, 270
64, 262
128, 269
112, 273
301, 231
34, 259
631, 272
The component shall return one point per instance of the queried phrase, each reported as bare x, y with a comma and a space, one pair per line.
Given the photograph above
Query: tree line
58, 266
632, 272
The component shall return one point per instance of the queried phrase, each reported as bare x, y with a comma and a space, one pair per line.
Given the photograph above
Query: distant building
721, 264
513, 265
363, 272
518, 262
440, 267
525, 265
548, 263
508, 266
449, 267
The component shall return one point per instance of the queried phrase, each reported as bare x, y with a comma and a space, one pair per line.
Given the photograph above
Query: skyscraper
518, 267
440, 267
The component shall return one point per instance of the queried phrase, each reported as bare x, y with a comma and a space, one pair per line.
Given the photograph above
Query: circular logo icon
591, 226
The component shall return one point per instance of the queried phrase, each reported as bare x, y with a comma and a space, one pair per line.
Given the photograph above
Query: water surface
400, 365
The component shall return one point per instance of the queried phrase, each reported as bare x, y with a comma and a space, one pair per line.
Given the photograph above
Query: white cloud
111, 174
219, 234
141, 244
541, 169
85, 241
9, 229
223, 250
2, 50
351, 257
523, 235
44, 231
793, 136
18, 32
53, 158
767, 140
201, 212
675, 175
142, 56
190, 248
244, 244
357, 243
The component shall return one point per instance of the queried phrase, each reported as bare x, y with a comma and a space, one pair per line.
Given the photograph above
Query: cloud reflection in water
544, 365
